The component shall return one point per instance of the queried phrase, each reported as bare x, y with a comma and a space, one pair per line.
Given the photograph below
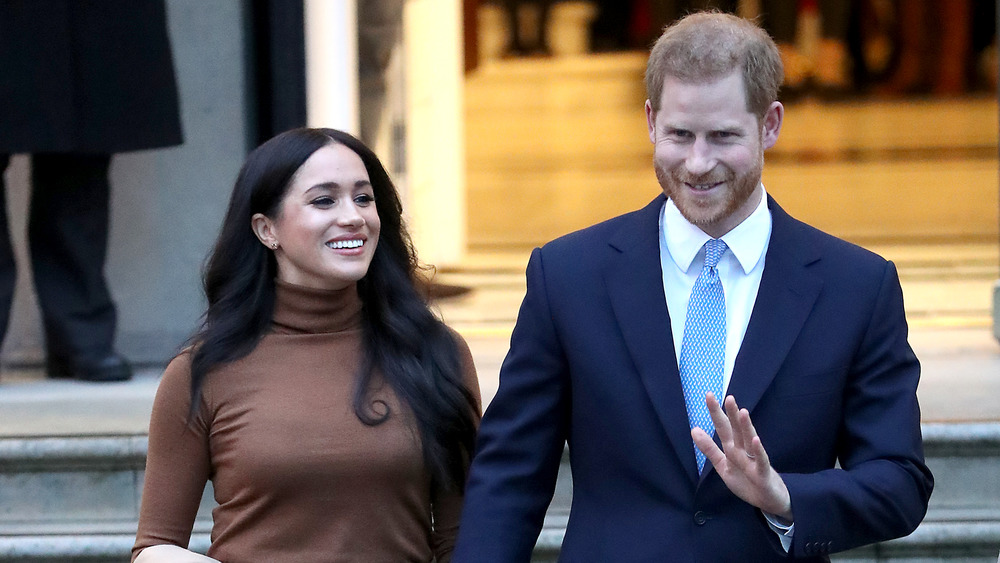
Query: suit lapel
635, 288
785, 298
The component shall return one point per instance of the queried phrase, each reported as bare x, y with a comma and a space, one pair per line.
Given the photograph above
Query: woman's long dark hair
404, 341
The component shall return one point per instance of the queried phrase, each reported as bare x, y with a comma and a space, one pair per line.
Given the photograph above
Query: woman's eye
323, 201
364, 199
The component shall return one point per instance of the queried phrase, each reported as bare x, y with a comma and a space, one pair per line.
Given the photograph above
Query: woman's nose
350, 216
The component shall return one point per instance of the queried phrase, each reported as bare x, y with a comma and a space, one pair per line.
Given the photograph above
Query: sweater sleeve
446, 506
177, 463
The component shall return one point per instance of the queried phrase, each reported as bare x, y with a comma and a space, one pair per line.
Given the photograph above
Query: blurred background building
890, 141
500, 144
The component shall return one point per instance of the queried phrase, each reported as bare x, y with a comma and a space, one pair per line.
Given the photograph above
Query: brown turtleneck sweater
297, 476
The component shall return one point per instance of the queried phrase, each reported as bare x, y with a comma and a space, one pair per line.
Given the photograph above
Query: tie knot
713, 252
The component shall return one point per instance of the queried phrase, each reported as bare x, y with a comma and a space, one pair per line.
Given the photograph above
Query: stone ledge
961, 439
954, 529
939, 541
959, 537
941, 538
94, 527
82, 547
944, 537
133, 447
75, 450
932, 533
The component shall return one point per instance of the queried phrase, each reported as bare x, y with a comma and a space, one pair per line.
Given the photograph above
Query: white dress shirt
682, 258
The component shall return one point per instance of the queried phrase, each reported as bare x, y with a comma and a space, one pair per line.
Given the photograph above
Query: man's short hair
706, 46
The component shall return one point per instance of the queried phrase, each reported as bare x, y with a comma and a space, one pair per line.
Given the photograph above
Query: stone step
963, 519
76, 499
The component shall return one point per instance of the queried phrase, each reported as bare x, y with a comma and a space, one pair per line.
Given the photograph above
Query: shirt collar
747, 240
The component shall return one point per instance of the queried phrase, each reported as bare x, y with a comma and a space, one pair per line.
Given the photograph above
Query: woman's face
327, 226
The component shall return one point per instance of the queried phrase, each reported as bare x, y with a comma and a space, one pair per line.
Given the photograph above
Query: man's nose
700, 159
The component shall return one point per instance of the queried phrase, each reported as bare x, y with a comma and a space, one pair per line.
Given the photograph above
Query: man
528, 21
622, 346
82, 81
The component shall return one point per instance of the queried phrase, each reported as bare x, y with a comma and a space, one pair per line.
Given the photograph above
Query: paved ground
948, 293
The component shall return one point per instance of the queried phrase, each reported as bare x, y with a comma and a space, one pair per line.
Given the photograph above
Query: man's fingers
713, 403
747, 430
751, 440
745, 446
743, 429
753, 450
740, 443
723, 427
707, 446
760, 455
735, 423
741, 461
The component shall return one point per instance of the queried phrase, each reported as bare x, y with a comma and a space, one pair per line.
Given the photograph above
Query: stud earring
274, 245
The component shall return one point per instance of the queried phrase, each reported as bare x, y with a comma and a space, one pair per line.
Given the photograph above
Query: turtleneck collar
299, 309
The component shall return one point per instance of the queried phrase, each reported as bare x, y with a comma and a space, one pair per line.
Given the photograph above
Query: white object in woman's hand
171, 554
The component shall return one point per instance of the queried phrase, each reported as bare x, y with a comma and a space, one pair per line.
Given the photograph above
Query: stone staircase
75, 499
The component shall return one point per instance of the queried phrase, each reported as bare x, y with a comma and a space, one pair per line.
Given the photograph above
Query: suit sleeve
521, 439
882, 487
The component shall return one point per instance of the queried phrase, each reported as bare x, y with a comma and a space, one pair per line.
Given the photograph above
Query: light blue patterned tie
703, 350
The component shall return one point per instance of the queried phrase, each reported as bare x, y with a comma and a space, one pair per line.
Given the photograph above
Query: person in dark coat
527, 36
83, 80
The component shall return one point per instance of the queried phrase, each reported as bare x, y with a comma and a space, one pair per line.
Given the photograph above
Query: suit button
700, 518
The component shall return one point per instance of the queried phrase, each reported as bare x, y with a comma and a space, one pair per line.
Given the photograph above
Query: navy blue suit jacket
824, 369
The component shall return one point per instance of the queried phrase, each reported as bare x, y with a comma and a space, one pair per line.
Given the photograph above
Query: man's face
709, 150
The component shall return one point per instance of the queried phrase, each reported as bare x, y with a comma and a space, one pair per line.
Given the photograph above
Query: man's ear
771, 124
651, 122
263, 227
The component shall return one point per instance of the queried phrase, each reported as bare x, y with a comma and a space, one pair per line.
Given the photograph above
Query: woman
334, 414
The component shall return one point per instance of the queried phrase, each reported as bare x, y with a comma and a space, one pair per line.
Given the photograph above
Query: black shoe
112, 367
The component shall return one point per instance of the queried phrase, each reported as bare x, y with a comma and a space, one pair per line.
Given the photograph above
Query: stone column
332, 64
435, 148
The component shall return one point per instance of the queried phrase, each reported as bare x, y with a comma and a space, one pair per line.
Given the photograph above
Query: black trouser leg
68, 239
8, 268
510, 8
